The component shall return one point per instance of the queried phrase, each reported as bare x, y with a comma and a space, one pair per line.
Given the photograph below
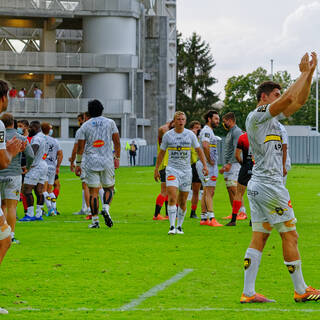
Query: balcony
57, 108
70, 8
65, 62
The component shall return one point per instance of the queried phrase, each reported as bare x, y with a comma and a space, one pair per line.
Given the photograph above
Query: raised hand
14, 146
304, 65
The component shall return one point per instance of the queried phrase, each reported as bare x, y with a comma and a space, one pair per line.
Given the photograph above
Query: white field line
153, 291
267, 310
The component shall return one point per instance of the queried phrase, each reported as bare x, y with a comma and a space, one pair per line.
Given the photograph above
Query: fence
302, 150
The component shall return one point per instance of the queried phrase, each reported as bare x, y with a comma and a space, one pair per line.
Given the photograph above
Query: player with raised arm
208, 143
270, 202
178, 142
97, 136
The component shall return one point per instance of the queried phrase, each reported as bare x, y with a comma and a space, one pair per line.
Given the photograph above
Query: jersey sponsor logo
272, 137
247, 263
289, 204
252, 193
98, 144
1, 136
262, 108
213, 178
171, 178
44, 156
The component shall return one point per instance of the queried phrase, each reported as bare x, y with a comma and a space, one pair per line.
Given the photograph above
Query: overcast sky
247, 34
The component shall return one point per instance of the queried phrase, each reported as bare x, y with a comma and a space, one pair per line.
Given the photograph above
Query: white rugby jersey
206, 134
53, 147
41, 140
2, 136
285, 140
85, 146
97, 132
179, 148
265, 144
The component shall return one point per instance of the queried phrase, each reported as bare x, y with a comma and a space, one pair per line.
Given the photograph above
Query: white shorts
10, 187
51, 175
179, 179
233, 173
105, 178
211, 179
83, 176
269, 202
37, 174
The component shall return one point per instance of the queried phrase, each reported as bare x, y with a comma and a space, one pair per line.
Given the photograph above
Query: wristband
78, 159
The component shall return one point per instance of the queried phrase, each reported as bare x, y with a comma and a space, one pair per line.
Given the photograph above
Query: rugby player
162, 196
195, 127
270, 202
36, 176
208, 143
231, 168
97, 135
286, 161
178, 142
8, 150
53, 159
245, 159
85, 210
11, 177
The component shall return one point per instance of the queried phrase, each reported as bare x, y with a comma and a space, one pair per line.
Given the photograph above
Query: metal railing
72, 5
67, 60
56, 107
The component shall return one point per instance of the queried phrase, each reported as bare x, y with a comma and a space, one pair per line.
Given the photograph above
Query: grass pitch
63, 270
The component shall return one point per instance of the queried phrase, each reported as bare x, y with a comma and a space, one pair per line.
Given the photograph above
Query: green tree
194, 77
241, 90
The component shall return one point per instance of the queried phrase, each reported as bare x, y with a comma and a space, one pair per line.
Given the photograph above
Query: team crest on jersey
171, 178
291, 268
262, 108
279, 211
207, 135
1, 136
98, 143
179, 148
247, 263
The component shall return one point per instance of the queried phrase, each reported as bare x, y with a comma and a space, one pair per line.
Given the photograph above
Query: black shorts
56, 177
163, 175
245, 174
195, 176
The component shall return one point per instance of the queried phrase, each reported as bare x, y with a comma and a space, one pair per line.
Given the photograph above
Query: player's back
97, 132
265, 144
53, 146
40, 140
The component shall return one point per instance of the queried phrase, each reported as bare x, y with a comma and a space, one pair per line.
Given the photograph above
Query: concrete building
122, 52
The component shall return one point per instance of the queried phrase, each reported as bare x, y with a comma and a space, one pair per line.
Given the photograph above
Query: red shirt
243, 144
13, 93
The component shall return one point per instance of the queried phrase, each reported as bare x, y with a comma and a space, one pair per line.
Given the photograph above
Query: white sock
95, 219
181, 215
30, 212
294, 268
106, 207
210, 215
47, 199
101, 194
243, 209
53, 200
12, 235
172, 212
88, 211
251, 265
84, 205
204, 216
39, 211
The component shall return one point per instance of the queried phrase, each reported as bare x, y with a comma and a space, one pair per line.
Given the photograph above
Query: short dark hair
7, 119
95, 108
36, 124
80, 115
229, 116
24, 122
194, 123
267, 87
209, 114
3, 88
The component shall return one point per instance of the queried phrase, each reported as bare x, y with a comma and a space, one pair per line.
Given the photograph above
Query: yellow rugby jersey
164, 162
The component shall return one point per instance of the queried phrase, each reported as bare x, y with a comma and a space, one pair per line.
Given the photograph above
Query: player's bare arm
203, 160
59, 160
117, 148
284, 158
80, 149
238, 155
158, 163
206, 150
293, 99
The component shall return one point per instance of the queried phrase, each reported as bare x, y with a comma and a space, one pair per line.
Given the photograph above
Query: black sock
234, 217
157, 210
166, 205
